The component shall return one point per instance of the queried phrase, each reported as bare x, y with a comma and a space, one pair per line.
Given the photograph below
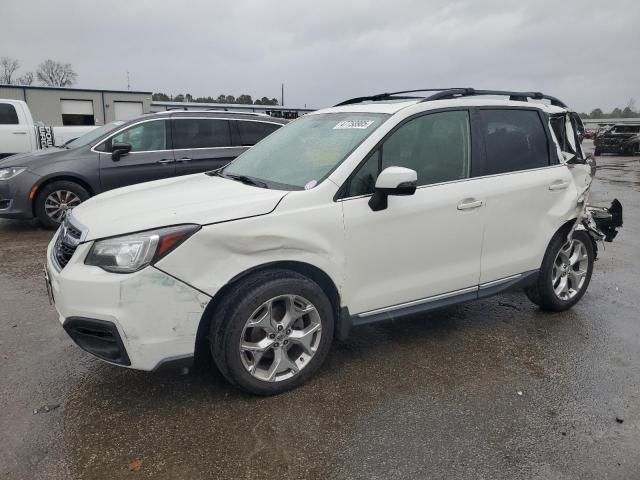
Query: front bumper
14, 196
139, 320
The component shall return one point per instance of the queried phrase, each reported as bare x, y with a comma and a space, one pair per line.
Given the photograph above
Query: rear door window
200, 133
252, 132
515, 140
8, 114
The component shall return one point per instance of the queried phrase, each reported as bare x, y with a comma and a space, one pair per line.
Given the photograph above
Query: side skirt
435, 302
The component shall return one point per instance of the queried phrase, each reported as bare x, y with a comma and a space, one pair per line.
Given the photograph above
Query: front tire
272, 332
54, 201
565, 273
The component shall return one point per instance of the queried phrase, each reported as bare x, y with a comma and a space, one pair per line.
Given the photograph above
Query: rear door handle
558, 185
165, 160
469, 203
19, 133
185, 159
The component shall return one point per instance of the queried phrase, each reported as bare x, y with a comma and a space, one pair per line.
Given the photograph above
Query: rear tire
254, 343
54, 201
565, 273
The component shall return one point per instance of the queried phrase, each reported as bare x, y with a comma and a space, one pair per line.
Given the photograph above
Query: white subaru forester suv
377, 208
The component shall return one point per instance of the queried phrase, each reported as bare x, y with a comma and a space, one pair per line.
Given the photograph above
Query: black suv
47, 183
623, 139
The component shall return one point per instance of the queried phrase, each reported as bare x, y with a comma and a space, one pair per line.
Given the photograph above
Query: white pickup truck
20, 134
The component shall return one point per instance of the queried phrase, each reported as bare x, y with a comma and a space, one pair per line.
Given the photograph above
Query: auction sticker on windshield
360, 124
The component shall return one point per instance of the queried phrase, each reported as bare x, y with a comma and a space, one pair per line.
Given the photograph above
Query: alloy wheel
280, 338
570, 269
59, 202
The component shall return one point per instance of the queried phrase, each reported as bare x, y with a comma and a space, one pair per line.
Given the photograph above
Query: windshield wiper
244, 179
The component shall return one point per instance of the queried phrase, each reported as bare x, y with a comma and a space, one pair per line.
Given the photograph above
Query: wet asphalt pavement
489, 390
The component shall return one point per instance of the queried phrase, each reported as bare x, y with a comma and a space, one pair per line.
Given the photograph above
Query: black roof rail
515, 96
449, 93
389, 96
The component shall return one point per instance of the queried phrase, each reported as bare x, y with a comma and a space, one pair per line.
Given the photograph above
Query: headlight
130, 253
10, 172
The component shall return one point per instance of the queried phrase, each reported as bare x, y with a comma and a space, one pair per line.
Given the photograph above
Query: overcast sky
585, 52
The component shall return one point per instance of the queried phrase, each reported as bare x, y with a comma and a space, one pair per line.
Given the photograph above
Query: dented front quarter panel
305, 228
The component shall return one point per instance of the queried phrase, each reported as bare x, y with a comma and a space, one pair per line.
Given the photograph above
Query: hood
31, 159
199, 199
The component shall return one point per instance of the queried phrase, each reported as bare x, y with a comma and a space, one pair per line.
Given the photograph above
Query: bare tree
8, 67
56, 74
26, 79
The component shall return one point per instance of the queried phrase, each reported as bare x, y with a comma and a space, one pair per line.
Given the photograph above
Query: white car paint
422, 246
198, 198
22, 137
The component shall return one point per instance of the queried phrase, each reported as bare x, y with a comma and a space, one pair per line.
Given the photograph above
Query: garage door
77, 112
127, 110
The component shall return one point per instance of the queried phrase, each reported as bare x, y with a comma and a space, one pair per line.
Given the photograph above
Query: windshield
94, 134
301, 154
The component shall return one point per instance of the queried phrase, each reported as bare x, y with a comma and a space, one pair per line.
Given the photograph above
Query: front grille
68, 240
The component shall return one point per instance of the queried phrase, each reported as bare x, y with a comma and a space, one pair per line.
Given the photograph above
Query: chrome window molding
122, 129
419, 187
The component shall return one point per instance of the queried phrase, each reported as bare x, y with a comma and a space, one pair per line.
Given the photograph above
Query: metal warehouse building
79, 106
59, 106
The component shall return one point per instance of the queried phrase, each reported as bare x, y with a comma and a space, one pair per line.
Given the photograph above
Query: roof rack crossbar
449, 93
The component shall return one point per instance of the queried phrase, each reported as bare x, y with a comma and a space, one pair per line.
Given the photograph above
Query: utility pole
282, 96
128, 82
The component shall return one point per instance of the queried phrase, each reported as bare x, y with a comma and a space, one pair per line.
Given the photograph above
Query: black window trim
552, 154
235, 130
478, 147
341, 194
15, 112
229, 129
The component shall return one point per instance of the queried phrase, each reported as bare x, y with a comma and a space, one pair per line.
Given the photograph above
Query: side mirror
393, 181
120, 150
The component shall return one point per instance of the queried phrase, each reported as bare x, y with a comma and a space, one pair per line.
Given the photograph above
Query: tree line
49, 73
627, 112
242, 99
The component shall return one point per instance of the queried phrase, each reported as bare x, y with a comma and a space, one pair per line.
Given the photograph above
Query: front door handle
165, 161
19, 133
469, 203
185, 159
558, 185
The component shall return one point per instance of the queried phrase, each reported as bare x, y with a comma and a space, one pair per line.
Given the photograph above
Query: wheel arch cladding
324, 281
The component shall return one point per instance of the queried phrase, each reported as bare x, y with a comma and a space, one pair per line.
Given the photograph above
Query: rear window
8, 114
252, 132
515, 140
200, 133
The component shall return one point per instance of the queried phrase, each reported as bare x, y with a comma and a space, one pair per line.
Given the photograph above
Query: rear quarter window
252, 132
515, 140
